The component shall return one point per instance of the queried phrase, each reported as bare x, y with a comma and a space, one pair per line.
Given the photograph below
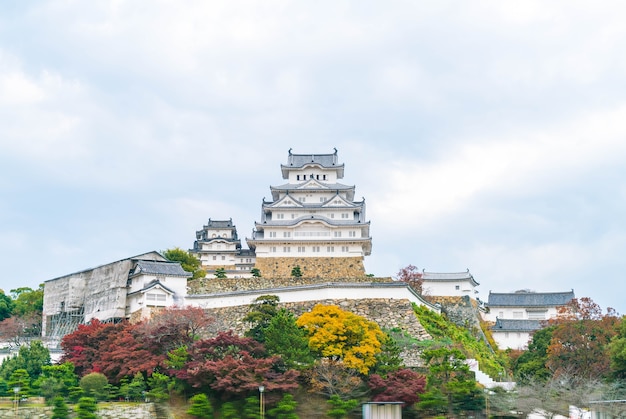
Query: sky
483, 135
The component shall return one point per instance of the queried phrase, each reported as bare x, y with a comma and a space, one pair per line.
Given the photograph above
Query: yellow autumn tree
338, 334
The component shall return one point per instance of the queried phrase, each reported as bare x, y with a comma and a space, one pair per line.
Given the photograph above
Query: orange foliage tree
579, 348
342, 335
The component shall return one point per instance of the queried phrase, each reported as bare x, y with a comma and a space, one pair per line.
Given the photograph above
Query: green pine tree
200, 407
286, 408
60, 410
86, 408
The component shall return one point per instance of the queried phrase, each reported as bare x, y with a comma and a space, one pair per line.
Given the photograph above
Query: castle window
223, 257
272, 234
286, 233
330, 249
280, 216
301, 249
457, 287
352, 233
273, 249
214, 257
332, 215
337, 234
344, 215
317, 177
315, 249
286, 249
297, 177
324, 177
293, 216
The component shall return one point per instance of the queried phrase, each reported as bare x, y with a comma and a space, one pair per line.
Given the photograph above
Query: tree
94, 385
617, 352
160, 387
580, 341
27, 301
32, 358
56, 380
451, 385
256, 272
233, 367
331, 377
220, 273
285, 409
83, 347
260, 313
389, 359
339, 334
229, 411
411, 276
200, 407
20, 379
187, 261
340, 408
250, 408
134, 389
6, 306
531, 364
60, 409
403, 385
296, 271
283, 337
86, 408
174, 327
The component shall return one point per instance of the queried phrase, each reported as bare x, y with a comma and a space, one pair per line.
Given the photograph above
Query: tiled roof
323, 187
299, 160
159, 268
530, 299
219, 223
449, 276
516, 325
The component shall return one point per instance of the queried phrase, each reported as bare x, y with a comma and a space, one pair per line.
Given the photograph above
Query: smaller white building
517, 315
453, 284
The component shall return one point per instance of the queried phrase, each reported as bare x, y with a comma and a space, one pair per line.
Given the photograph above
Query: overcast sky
484, 135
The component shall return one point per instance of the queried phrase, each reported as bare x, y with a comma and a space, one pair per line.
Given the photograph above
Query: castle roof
449, 277
299, 161
220, 224
159, 268
529, 299
516, 325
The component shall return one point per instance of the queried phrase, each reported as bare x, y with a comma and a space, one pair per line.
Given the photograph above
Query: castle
311, 222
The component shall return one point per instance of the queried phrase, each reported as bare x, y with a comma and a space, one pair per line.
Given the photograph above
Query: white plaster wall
514, 340
508, 313
448, 289
311, 293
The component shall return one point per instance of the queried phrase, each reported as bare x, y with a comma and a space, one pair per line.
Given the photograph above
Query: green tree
27, 301
86, 408
617, 352
285, 409
95, 385
340, 408
160, 387
531, 364
220, 273
60, 409
200, 407
260, 313
188, 261
296, 271
134, 389
450, 380
6, 306
389, 359
339, 334
229, 411
256, 272
32, 358
285, 338
251, 408
56, 380
19, 380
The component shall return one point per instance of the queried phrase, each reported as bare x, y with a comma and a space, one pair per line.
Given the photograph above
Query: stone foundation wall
139, 411
312, 267
388, 313
217, 286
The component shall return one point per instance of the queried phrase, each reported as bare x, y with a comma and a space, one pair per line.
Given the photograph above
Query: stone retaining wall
216, 286
139, 411
388, 313
312, 267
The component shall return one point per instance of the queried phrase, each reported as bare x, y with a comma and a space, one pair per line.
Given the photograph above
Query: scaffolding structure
63, 323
